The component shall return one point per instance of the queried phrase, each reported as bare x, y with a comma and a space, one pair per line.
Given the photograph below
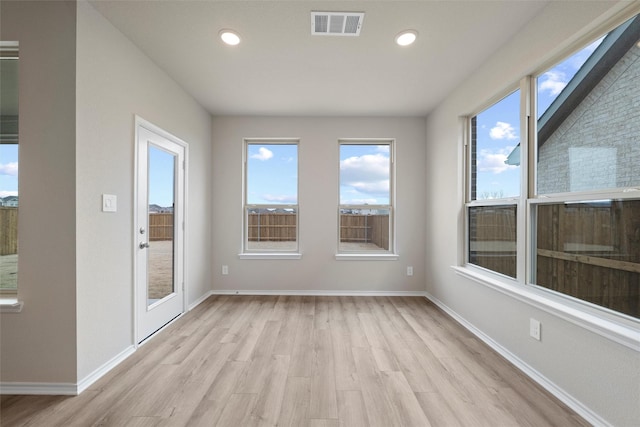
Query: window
494, 186
9, 167
271, 196
587, 240
582, 180
366, 196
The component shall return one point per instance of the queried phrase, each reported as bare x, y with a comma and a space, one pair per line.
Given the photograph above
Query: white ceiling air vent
336, 23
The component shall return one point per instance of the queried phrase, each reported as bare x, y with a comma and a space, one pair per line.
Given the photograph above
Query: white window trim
9, 302
517, 201
382, 255
270, 253
10, 305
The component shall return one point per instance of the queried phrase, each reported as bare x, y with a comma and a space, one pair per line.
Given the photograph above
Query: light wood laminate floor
305, 361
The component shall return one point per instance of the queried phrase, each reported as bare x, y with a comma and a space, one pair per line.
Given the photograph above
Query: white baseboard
321, 293
199, 300
66, 389
536, 376
104, 369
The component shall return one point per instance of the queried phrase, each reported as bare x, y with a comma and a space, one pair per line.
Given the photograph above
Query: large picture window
582, 179
366, 208
271, 196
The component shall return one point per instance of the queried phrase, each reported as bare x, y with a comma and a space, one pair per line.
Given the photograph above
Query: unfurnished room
320, 213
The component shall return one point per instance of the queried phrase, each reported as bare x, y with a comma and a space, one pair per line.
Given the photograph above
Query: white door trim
142, 123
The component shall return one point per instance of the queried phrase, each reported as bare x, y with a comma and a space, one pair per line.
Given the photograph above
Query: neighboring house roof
9, 201
614, 46
153, 208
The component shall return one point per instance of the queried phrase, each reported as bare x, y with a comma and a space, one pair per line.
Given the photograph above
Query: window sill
367, 257
264, 255
10, 305
610, 326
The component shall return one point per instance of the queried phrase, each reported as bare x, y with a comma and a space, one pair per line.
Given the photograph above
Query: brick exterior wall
598, 145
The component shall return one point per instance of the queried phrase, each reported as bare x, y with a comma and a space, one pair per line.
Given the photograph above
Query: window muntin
9, 167
271, 196
579, 160
366, 211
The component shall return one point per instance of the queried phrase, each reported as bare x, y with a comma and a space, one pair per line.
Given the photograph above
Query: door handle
144, 245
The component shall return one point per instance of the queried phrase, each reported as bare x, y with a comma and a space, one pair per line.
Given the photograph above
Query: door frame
142, 123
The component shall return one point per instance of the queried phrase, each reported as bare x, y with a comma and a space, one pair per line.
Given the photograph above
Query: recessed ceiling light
230, 37
406, 37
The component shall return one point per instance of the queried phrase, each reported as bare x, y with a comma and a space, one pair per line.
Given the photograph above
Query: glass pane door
161, 179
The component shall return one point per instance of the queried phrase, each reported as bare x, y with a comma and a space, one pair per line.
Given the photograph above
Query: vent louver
336, 23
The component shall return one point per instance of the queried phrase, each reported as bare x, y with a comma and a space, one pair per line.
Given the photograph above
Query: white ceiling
281, 69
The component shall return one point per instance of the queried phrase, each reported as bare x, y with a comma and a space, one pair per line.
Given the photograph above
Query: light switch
109, 203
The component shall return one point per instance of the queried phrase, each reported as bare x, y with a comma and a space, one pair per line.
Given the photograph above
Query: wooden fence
8, 231
272, 227
365, 229
281, 227
588, 251
492, 235
592, 252
160, 226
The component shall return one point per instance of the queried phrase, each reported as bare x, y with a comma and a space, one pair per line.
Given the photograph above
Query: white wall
594, 371
38, 345
115, 81
318, 161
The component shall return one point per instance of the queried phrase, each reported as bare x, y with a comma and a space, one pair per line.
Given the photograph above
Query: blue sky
272, 171
161, 177
272, 174
8, 170
498, 129
364, 174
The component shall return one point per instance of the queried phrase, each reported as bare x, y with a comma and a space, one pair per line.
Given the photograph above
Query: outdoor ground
8, 271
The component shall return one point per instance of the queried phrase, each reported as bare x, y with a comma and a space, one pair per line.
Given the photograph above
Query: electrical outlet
534, 328
409, 271
225, 270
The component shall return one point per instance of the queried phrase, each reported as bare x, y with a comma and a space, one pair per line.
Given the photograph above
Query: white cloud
368, 174
359, 202
503, 130
494, 162
553, 81
10, 169
368, 167
280, 199
8, 193
263, 154
375, 187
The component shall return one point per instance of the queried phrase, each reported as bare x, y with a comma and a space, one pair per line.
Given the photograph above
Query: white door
159, 228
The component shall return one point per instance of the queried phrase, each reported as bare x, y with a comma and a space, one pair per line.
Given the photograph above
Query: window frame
246, 252
382, 254
517, 201
10, 51
603, 320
